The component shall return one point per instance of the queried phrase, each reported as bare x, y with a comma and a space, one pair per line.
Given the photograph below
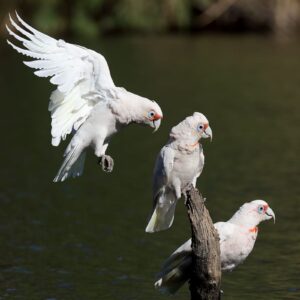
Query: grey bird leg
106, 162
188, 187
177, 187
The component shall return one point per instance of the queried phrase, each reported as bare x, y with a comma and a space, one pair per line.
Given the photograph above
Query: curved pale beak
207, 133
270, 214
155, 123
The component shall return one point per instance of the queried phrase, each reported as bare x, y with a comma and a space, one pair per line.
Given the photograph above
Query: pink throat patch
254, 229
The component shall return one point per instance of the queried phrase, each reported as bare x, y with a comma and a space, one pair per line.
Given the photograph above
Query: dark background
235, 61
94, 17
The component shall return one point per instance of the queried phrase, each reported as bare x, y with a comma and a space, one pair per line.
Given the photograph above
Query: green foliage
82, 22
47, 18
147, 16
141, 14
90, 18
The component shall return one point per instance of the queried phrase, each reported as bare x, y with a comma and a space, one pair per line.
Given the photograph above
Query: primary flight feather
86, 101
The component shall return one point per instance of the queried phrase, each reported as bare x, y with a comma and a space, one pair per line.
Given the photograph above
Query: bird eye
260, 209
151, 114
200, 127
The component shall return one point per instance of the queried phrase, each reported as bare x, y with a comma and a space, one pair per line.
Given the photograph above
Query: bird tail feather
175, 272
73, 164
163, 214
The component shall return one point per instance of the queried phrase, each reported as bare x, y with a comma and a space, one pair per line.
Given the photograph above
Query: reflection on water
84, 239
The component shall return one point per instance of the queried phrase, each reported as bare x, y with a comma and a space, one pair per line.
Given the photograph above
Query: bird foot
185, 191
107, 163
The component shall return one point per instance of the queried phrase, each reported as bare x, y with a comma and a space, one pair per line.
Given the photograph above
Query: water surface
85, 239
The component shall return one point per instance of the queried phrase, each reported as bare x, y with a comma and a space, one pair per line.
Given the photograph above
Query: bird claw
107, 163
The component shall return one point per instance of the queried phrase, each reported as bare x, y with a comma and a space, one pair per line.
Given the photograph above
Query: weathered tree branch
206, 270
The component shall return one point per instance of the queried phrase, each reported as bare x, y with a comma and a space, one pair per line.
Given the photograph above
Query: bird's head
152, 114
192, 128
131, 108
252, 213
261, 210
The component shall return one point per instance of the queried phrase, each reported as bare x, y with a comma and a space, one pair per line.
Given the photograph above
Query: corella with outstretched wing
86, 101
179, 163
237, 239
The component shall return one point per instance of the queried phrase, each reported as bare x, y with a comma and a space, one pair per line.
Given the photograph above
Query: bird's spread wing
81, 75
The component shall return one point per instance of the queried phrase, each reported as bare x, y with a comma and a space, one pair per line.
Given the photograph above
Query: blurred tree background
85, 239
92, 18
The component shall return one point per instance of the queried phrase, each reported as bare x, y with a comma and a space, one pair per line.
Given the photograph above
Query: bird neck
185, 145
245, 219
127, 109
253, 229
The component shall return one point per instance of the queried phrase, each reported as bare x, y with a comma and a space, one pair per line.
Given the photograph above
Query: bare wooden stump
206, 269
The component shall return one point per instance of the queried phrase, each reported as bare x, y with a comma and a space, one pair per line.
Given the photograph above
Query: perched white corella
237, 239
86, 102
179, 164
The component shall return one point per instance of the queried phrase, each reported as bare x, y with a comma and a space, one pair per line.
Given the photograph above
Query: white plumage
179, 163
237, 239
85, 91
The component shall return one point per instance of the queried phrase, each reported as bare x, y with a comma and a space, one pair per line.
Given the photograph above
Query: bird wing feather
81, 75
225, 230
164, 200
163, 167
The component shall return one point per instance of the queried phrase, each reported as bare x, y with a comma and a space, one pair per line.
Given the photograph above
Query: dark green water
84, 239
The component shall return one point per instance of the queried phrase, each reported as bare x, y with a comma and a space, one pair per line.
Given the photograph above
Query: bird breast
235, 249
187, 166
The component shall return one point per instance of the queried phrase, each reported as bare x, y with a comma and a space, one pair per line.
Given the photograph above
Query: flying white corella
86, 101
237, 239
179, 163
